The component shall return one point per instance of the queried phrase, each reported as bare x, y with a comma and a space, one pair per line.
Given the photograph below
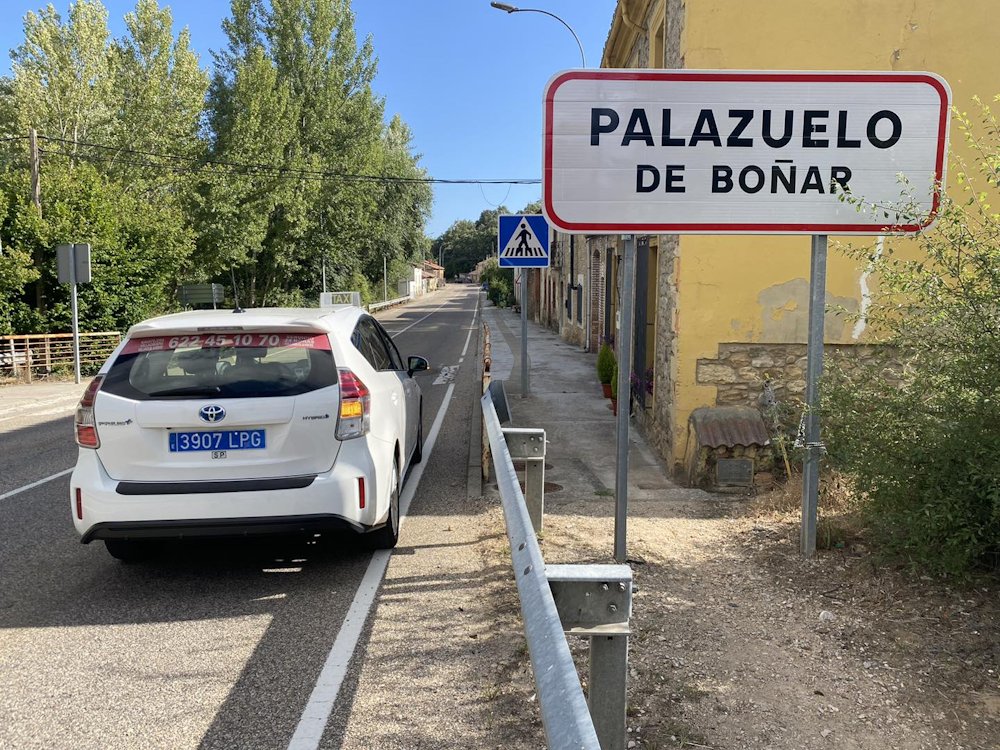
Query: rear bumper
221, 527
315, 503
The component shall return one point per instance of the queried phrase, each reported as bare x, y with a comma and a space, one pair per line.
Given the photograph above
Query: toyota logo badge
212, 413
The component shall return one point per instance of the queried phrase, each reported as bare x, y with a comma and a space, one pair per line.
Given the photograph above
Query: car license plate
217, 440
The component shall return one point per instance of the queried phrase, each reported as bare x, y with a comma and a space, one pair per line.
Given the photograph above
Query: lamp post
506, 8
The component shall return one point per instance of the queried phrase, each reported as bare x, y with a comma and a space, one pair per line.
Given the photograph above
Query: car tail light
361, 492
355, 406
79, 503
86, 427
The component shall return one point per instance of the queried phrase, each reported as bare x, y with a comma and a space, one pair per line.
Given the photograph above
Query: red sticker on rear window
219, 340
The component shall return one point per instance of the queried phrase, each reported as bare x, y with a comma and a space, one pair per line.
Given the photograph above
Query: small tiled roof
728, 426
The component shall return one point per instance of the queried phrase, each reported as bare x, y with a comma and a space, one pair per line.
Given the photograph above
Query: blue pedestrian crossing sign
523, 241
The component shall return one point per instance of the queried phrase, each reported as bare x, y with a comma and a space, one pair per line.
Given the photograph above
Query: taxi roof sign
330, 299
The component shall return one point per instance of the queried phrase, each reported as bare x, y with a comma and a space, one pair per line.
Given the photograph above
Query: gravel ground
740, 644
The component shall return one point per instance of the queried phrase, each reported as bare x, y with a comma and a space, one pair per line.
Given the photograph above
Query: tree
60, 72
918, 429
294, 88
465, 243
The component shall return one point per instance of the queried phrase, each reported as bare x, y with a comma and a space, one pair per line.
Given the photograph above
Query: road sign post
73, 266
624, 340
523, 242
742, 152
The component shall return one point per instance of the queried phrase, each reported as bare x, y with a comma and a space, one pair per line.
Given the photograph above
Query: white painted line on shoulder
312, 723
26, 487
468, 338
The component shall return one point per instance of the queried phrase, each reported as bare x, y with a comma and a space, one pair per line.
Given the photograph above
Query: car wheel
388, 535
129, 550
418, 451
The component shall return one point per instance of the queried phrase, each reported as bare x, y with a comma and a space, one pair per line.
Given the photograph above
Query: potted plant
605, 368
614, 390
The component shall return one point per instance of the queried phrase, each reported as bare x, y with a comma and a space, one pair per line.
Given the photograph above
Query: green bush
614, 382
500, 283
605, 364
918, 428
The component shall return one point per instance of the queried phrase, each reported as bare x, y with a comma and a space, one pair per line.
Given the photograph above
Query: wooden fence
43, 353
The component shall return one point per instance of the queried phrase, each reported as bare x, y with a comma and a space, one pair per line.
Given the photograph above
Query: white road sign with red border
742, 152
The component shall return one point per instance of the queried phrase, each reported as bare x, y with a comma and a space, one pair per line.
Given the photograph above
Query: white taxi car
266, 421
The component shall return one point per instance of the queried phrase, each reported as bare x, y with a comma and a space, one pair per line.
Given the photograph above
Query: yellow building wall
754, 289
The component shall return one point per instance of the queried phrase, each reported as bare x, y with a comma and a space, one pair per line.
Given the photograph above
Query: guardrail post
595, 601
606, 689
528, 444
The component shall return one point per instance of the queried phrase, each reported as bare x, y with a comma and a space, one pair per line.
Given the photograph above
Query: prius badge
212, 413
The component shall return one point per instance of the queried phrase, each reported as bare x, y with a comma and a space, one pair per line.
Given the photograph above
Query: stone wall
595, 293
657, 421
738, 373
672, 38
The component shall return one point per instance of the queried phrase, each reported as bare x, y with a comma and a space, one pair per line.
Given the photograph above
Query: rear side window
242, 365
367, 341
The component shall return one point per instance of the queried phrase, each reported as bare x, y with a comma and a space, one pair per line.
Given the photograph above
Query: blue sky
466, 77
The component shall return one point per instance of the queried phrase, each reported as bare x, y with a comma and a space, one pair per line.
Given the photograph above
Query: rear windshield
242, 365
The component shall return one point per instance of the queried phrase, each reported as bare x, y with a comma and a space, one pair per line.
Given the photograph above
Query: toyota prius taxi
264, 421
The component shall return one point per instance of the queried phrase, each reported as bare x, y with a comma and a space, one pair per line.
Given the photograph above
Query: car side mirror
416, 364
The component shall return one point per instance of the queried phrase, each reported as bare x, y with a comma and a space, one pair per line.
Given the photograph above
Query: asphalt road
214, 645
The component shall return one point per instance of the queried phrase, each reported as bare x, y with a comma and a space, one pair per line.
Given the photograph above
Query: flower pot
607, 389
614, 406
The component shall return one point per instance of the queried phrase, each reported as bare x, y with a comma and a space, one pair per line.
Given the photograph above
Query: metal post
814, 370
324, 272
528, 444
525, 385
606, 689
76, 317
627, 270
595, 601
385, 281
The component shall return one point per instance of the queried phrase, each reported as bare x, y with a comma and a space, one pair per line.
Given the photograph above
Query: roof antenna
236, 294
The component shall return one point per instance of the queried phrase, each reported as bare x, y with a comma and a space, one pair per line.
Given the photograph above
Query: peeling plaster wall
785, 313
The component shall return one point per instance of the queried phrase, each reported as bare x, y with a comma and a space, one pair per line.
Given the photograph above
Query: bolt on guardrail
593, 601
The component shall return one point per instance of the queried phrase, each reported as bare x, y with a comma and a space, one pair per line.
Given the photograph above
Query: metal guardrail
376, 306
592, 601
44, 352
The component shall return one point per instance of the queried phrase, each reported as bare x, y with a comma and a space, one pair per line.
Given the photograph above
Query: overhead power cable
284, 172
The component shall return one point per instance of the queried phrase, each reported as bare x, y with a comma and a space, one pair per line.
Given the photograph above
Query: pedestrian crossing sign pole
523, 242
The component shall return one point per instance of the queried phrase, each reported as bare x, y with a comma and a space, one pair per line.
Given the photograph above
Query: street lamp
506, 8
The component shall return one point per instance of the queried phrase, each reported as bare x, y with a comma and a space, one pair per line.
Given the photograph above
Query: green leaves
198, 179
918, 427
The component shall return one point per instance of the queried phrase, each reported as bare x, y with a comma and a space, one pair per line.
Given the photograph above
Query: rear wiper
191, 390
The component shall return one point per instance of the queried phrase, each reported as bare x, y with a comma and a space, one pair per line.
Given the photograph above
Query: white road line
467, 340
312, 723
19, 490
25, 409
404, 330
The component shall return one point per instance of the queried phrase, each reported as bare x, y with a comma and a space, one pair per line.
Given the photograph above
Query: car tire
129, 550
387, 536
418, 450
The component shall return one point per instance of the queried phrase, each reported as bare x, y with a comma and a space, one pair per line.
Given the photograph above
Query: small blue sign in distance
216, 440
